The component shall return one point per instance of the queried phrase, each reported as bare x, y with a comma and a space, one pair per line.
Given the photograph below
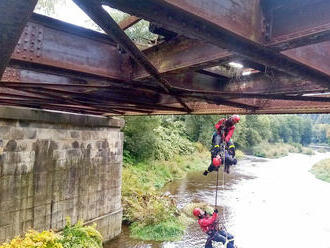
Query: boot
227, 169
205, 173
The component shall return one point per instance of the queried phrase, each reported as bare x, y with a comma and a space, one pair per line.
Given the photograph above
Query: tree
47, 7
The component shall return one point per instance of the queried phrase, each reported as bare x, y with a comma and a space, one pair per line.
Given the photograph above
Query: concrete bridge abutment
55, 165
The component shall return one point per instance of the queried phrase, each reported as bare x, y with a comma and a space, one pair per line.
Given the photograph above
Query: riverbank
151, 214
278, 150
321, 170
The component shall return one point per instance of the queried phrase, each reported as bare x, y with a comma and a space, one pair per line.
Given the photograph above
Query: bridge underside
283, 46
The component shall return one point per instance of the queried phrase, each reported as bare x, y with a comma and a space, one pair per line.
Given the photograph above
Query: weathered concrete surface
54, 165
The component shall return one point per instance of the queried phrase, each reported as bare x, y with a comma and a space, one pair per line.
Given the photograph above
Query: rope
216, 190
223, 156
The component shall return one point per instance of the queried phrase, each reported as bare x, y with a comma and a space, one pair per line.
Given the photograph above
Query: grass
277, 150
151, 214
322, 150
321, 170
170, 230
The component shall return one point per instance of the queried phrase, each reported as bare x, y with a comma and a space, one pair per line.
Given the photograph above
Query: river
265, 202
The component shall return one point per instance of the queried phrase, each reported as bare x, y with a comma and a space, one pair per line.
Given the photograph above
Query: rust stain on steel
182, 54
269, 107
29, 46
259, 83
238, 16
11, 75
128, 22
315, 56
43, 45
14, 14
300, 24
186, 21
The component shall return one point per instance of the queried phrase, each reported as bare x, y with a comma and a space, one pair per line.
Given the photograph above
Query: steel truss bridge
280, 48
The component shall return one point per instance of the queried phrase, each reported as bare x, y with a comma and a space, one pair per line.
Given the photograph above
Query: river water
265, 203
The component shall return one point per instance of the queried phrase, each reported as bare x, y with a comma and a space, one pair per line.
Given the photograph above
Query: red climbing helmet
235, 118
216, 161
197, 212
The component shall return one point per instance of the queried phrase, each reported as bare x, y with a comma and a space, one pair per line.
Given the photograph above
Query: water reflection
267, 203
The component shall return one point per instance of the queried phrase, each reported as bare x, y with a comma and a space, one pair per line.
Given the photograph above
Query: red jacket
229, 128
207, 222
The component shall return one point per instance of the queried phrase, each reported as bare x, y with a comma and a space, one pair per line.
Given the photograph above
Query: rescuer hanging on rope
210, 225
225, 129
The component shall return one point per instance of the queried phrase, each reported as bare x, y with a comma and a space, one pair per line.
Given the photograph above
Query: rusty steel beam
14, 15
68, 99
46, 42
315, 56
197, 19
182, 54
233, 96
276, 83
95, 11
128, 22
298, 23
69, 79
265, 107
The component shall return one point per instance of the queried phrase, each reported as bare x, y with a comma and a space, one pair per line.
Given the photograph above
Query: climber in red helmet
209, 225
225, 127
224, 131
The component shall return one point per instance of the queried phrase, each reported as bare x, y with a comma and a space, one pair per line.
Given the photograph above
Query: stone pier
55, 165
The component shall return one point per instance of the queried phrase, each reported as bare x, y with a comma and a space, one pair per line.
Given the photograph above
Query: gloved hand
216, 211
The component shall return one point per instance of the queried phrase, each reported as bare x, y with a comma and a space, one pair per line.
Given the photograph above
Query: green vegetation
80, 236
321, 170
161, 138
160, 149
73, 236
277, 150
168, 230
152, 214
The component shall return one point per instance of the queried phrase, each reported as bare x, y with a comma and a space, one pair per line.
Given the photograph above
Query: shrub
76, 236
239, 154
308, 151
45, 239
80, 236
321, 170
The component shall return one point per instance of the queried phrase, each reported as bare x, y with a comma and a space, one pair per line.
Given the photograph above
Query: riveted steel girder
46, 42
14, 14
